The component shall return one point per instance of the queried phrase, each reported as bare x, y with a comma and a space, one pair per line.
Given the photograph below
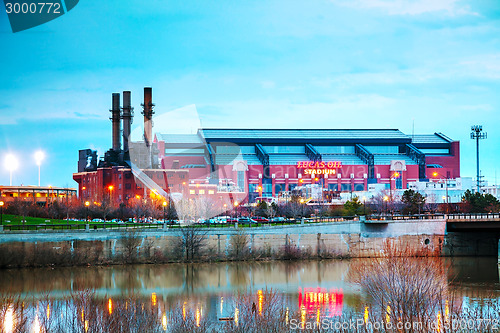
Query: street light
435, 174
11, 164
110, 188
87, 204
236, 207
164, 205
386, 198
1, 212
39, 156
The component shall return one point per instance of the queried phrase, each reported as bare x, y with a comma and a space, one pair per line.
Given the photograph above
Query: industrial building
258, 164
40, 195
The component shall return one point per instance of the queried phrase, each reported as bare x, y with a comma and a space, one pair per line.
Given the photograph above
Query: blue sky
310, 64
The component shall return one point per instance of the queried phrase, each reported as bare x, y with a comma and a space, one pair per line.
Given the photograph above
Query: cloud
483, 65
412, 7
268, 84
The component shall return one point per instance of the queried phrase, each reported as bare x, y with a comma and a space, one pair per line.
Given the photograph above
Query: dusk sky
259, 64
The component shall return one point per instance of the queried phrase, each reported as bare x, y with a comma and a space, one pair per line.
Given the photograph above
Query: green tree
261, 209
480, 203
353, 207
412, 201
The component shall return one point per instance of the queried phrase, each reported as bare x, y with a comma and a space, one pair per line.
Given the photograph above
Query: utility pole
477, 134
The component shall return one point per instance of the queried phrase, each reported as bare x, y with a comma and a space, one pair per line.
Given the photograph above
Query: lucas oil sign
319, 168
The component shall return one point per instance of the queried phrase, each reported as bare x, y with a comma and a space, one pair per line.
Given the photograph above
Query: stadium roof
431, 138
304, 135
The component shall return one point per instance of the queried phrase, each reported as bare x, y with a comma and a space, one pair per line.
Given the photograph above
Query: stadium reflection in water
309, 290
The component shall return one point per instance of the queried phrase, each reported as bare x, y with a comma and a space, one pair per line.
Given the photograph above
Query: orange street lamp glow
164, 203
435, 174
137, 196
386, 198
1, 203
236, 203
396, 174
110, 187
87, 203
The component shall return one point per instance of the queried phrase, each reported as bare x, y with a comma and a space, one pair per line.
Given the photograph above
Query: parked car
278, 219
260, 219
246, 220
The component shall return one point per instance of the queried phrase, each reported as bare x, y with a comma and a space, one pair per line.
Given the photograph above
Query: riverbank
347, 239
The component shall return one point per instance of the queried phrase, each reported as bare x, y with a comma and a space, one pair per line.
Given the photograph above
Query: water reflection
199, 293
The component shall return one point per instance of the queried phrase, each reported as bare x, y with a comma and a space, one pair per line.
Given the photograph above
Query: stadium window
211, 192
345, 187
191, 191
201, 192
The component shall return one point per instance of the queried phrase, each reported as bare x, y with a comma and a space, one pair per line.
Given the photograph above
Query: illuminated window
201, 192
191, 191
211, 192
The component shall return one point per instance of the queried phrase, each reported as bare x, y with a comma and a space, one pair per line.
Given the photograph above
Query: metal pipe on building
148, 115
127, 118
115, 120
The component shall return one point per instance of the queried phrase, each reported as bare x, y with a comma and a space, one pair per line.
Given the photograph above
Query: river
207, 290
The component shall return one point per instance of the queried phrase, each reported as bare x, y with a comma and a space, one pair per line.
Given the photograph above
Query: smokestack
115, 121
148, 115
127, 119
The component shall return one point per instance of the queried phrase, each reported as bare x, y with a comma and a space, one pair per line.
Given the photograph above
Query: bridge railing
473, 216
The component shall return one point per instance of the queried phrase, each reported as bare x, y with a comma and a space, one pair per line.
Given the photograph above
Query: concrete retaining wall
347, 239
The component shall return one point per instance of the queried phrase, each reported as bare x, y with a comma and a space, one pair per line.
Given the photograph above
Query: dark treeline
409, 203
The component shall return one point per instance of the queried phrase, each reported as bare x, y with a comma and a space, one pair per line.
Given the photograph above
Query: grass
15, 219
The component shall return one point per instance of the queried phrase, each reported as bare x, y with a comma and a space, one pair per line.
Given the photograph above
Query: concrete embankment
344, 239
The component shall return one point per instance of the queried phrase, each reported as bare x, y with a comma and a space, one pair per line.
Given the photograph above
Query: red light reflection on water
329, 303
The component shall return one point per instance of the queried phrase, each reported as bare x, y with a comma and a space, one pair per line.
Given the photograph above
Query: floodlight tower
11, 164
39, 156
478, 134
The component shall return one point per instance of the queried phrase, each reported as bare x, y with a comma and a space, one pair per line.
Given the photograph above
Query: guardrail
92, 226
175, 225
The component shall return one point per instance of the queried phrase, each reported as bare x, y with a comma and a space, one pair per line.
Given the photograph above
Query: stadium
250, 165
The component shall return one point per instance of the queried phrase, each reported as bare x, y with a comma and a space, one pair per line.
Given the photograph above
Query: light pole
386, 198
164, 205
87, 204
477, 134
11, 164
110, 188
436, 174
1, 212
236, 208
39, 156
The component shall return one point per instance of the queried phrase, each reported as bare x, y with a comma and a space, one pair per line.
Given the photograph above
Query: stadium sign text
319, 168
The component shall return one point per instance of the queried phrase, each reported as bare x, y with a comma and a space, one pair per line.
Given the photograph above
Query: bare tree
238, 244
130, 241
402, 287
192, 242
